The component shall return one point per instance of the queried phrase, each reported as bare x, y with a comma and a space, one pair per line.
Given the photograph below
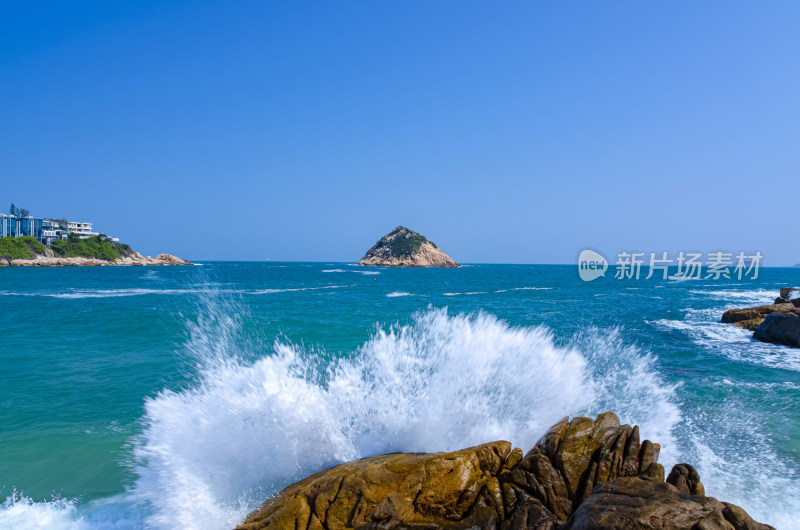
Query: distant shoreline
76, 251
135, 260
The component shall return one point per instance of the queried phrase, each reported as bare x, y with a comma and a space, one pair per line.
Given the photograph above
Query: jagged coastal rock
581, 474
45, 260
778, 323
405, 248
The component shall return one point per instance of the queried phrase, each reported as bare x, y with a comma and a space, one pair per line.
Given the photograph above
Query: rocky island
777, 323
405, 248
582, 474
76, 252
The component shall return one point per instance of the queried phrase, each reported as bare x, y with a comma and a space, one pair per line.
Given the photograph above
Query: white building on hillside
82, 229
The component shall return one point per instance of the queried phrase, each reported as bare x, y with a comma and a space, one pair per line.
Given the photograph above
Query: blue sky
516, 132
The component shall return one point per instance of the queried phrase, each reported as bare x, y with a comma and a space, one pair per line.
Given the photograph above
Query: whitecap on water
211, 453
22, 513
741, 296
244, 430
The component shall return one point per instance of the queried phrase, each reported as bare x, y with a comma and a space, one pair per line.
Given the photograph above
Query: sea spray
211, 453
736, 399
627, 382
730, 446
19, 512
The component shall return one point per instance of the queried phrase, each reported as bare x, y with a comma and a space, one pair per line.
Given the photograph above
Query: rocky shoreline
777, 323
582, 474
135, 259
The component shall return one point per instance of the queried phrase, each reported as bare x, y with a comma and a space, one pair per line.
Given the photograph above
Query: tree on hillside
18, 212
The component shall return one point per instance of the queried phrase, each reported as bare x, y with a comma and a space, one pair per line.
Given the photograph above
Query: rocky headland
777, 323
582, 474
92, 251
53, 261
405, 248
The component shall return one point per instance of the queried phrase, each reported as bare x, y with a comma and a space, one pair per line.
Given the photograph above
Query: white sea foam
213, 452
295, 289
365, 273
708, 333
100, 293
740, 296
681, 279
114, 293
731, 448
150, 275
465, 294
395, 294
22, 513
778, 385
204, 288
735, 343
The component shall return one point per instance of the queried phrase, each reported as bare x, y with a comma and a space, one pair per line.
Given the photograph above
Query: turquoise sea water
143, 397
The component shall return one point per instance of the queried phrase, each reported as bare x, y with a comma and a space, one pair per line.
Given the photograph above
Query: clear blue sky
506, 132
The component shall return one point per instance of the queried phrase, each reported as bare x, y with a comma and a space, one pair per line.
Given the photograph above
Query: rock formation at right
582, 474
778, 323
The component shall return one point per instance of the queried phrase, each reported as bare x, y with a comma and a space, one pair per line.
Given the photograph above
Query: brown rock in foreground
582, 473
642, 503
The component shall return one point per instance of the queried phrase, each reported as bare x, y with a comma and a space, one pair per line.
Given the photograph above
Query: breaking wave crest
263, 415
211, 453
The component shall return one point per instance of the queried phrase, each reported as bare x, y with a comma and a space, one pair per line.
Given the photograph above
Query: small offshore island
405, 248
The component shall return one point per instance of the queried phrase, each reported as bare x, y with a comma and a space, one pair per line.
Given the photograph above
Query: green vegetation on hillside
405, 243
20, 247
92, 247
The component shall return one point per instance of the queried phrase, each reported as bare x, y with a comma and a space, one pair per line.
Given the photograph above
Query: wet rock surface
583, 473
780, 328
732, 316
778, 323
642, 503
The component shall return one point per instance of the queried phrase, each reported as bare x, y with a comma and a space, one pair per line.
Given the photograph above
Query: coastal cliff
581, 474
405, 248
